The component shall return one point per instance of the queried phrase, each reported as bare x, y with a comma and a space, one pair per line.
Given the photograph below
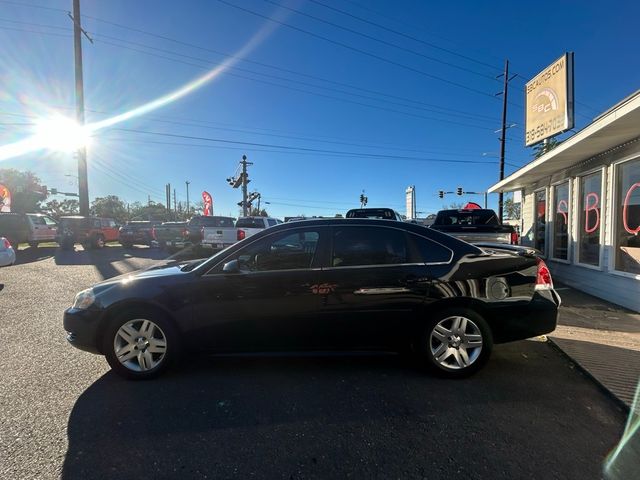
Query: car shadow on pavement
337, 415
105, 259
34, 254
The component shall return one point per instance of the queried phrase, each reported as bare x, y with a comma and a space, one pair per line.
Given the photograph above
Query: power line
379, 40
288, 87
31, 5
405, 35
285, 70
303, 149
355, 49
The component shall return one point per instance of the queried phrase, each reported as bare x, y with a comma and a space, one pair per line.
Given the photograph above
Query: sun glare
60, 134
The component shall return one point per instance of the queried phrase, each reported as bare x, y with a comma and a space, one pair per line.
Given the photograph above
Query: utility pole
503, 136
187, 182
175, 205
245, 181
83, 182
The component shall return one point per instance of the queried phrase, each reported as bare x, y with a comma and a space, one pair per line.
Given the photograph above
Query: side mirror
231, 267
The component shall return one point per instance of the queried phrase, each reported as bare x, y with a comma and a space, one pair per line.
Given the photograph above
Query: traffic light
441, 194
459, 191
362, 198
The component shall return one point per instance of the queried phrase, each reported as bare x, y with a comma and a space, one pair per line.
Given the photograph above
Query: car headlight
84, 299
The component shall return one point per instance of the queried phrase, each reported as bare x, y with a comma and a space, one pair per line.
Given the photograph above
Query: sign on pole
549, 101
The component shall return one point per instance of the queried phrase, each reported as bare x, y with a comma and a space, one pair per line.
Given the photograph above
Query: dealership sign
549, 101
5, 199
207, 200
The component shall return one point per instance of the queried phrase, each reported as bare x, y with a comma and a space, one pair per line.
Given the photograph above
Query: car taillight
185, 233
153, 233
543, 278
241, 235
514, 238
7, 243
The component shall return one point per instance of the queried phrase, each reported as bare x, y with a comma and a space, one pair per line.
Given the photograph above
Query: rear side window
271, 222
469, 218
250, 223
50, 221
216, 221
37, 220
359, 246
428, 251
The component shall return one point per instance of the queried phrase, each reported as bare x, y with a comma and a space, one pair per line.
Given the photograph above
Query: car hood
168, 269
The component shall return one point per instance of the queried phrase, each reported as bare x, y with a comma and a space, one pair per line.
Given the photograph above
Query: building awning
615, 127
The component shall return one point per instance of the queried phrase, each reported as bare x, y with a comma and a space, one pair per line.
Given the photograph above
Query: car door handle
381, 291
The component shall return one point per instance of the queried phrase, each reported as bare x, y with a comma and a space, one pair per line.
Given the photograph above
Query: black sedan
336, 284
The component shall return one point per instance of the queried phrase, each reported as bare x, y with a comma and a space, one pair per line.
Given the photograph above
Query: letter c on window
625, 207
563, 203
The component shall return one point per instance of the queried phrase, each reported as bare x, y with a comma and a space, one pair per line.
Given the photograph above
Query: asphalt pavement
529, 414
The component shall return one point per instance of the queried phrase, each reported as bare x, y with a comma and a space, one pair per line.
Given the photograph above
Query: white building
581, 206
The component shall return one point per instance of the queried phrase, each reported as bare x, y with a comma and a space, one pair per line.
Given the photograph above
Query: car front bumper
82, 327
519, 321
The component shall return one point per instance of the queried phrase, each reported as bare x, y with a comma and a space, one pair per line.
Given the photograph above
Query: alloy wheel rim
140, 345
100, 242
456, 342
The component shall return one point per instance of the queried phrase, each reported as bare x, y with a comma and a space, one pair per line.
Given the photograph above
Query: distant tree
542, 147
151, 211
57, 208
254, 212
511, 209
453, 206
26, 189
110, 206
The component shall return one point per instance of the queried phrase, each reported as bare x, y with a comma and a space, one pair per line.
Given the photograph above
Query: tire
126, 245
67, 244
455, 343
98, 242
140, 334
33, 244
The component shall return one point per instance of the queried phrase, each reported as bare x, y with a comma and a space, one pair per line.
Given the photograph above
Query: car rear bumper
82, 328
7, 257
135, 238
524, 320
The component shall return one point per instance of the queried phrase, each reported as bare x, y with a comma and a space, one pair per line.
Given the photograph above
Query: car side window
358, 246
271, 222
428, 251
96, 223
111, 224
286, 251
50, 221
37, 220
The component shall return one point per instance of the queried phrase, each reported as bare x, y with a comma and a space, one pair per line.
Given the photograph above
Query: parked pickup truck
247, 226
169, 235
474, 226
31, 228
194, 231
137, 233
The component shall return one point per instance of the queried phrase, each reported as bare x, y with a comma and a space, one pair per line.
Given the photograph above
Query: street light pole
187, 182
83, 182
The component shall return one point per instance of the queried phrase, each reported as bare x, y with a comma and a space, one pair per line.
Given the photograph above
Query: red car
91, 232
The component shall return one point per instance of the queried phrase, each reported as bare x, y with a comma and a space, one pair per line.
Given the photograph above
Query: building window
590, 219
541, 220
627, 208
561, 221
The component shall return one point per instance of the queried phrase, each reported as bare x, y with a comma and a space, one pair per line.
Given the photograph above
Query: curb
626, 408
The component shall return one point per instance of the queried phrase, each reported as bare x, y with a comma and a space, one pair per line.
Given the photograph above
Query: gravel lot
528, 414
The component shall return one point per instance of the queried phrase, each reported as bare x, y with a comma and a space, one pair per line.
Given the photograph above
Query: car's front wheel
456, 343
141, 345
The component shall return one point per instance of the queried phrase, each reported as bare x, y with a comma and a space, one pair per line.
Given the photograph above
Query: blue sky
324, 106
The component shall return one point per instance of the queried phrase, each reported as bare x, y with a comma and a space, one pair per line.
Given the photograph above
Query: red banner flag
208, 204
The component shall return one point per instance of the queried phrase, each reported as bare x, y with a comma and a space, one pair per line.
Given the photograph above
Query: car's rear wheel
141, 345
126, 244
33, 244
456, 343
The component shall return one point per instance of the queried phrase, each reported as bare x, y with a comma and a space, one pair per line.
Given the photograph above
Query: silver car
7, 253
